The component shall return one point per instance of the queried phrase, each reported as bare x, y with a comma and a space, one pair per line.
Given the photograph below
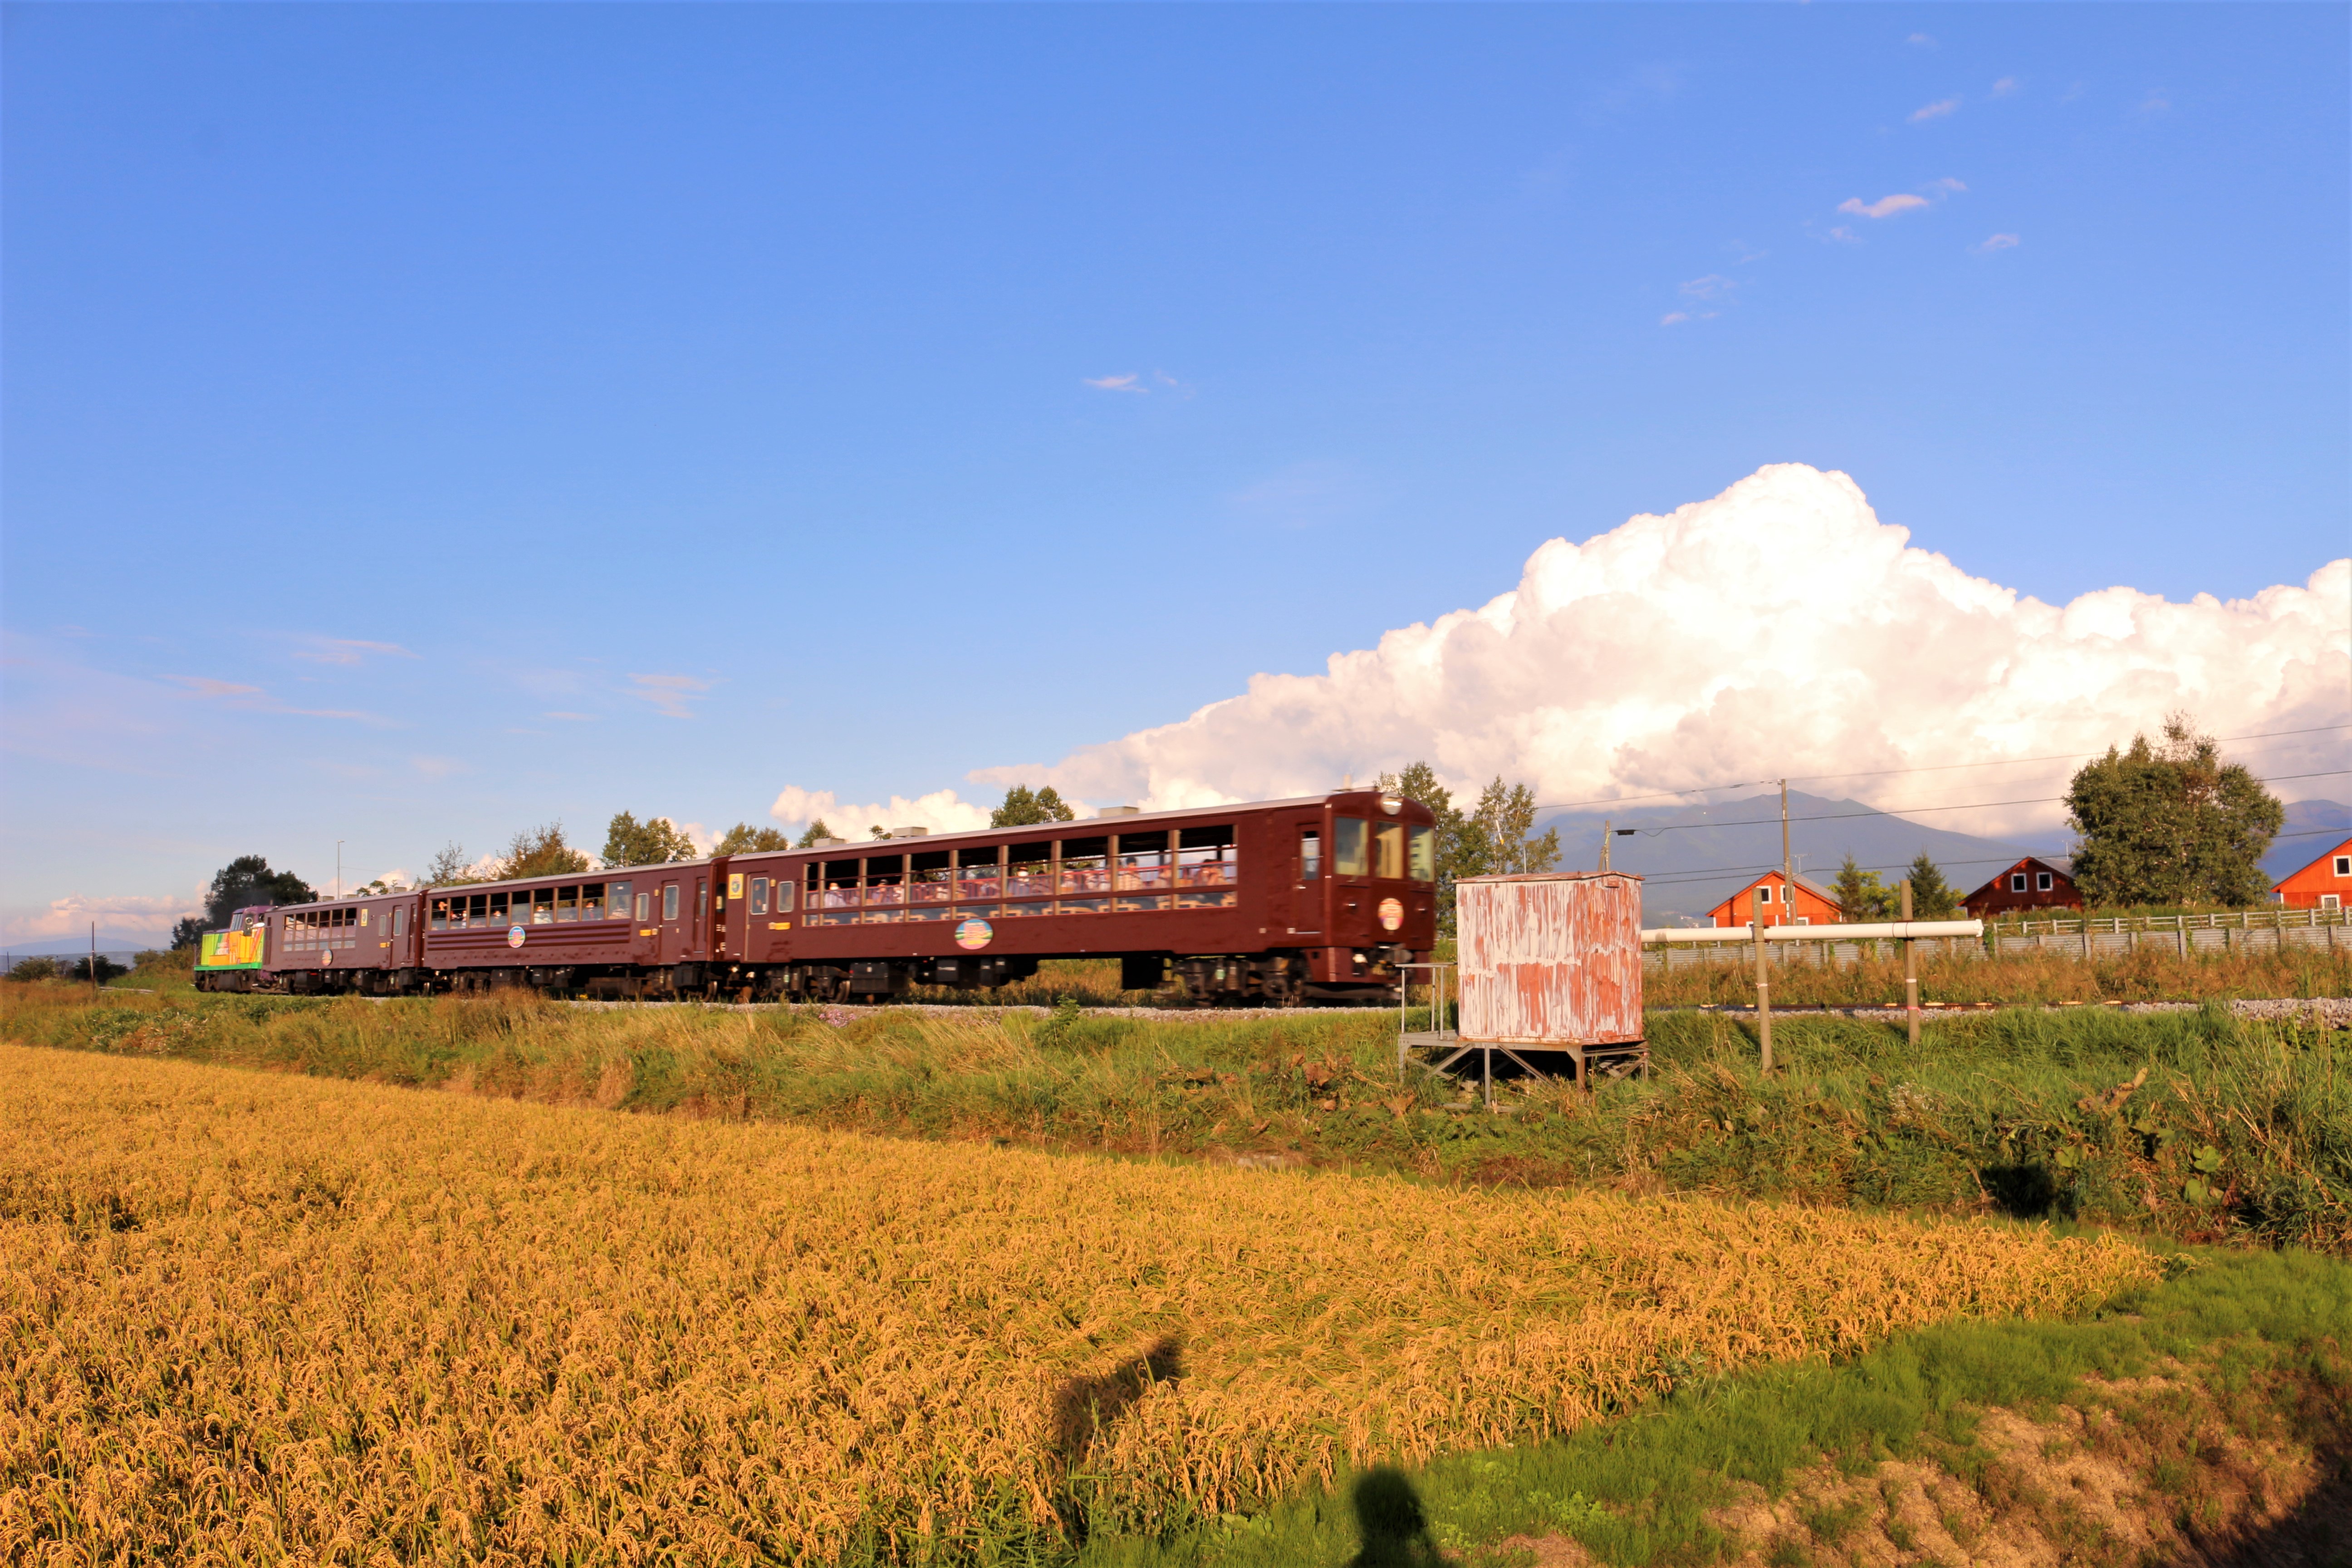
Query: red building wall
1997, 896
1808, 907
2310, 887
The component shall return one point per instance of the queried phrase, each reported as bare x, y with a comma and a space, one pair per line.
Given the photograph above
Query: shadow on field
1085, 1405
2316, 1534
1391, 1521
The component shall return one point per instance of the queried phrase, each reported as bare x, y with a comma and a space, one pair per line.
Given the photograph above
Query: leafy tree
2171, 824
1493, 837
540, 852
449, 867
653, 842
30, 969
1022, 808
246, 880
1861, 896
107, 969
743, 836
817, 834
1932, 898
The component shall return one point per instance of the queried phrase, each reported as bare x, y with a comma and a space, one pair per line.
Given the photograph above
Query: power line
1710, 874
1914, 810
1889, 773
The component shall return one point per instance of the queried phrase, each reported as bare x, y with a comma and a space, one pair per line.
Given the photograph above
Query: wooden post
1763, 984
93, 958
1788, 863
1910, 976
1604, 844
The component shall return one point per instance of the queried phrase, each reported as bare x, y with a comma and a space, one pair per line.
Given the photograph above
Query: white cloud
940, 811
1842, 235
346, 650
123, 915
1714, 286
1945, 186
1920, 41
253, 698
669, 694
2007, 86
1885, 206
1130, 381
1778, 628
2155, 103
1996, 242
1936, 111
1674, 318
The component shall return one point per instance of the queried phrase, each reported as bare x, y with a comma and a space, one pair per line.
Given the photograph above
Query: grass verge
2196, 1125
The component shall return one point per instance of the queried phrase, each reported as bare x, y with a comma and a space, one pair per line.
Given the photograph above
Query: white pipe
1895, 930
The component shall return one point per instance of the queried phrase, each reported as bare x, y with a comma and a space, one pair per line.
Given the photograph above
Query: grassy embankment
255, 1316
2197, 1126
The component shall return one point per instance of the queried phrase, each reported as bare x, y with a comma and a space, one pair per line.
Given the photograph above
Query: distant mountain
1693, 858
113, 942
2311, 829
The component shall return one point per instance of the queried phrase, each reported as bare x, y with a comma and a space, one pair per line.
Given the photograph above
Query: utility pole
93, 958
1787, 864
1763, 983
339, 851
1910, 974
1605, 836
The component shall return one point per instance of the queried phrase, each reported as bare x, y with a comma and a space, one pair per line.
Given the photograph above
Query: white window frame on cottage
2330, 901
2017, 882
2343, 865
2042, 882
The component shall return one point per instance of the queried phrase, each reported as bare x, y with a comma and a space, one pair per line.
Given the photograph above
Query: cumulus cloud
1777, 629
941, 812
2006, 86
123, 915
669, 694
1996, 242
1936, 111
1130, 381
1885, 206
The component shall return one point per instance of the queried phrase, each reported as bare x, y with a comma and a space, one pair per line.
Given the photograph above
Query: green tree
1861, 896
540, 852
1493, 837
244, 881
2171, 824
449, 867
1023, 809
743, 838
1932, 898
653, 842
818, 833
30, 969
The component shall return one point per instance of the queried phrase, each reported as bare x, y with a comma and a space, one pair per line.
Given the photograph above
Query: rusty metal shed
1549, 967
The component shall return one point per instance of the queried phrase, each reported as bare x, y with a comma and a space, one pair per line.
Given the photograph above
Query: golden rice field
251, 1317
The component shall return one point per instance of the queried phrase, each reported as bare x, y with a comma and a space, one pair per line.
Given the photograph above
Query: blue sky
422, 422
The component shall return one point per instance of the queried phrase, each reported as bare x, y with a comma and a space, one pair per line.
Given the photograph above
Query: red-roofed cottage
1805, 904
2033, 883
2321, 884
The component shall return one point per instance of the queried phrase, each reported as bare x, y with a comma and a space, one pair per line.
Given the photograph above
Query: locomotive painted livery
1318, 899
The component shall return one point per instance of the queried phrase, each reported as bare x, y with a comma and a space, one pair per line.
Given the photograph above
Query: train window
1310, 854
979, 873
542, 907
669, 900
400, 919
604, 901
498, 908
1420, 856
1143, 862
441, 913
645, 902
1388, 849
567, 903
930, 878
886, 880
476, 909
1085, 866
759, 895
837, 890
784, 896
1348, 857
1029, 874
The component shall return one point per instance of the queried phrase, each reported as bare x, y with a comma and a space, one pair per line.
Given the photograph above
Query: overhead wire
1890, 773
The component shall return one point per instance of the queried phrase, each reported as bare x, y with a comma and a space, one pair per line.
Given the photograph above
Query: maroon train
1286, 901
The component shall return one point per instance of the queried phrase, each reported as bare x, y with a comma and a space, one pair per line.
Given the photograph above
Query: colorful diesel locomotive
1286, 901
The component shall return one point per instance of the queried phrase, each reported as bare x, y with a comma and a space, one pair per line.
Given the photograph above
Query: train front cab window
1348, 852
669, 900
1388, 850
1421, 854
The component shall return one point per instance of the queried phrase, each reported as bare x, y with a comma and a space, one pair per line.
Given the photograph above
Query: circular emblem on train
974, 933
514, 936
1391, 914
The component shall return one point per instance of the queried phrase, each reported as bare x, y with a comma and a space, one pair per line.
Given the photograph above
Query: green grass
2266, 1333
2195, 1125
